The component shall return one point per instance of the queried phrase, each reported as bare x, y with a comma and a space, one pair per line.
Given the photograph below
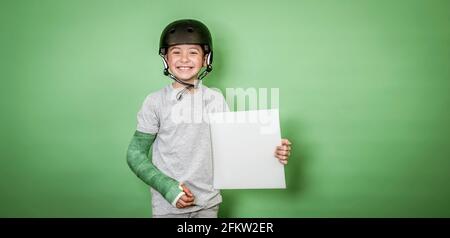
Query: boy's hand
187, 199
284, 151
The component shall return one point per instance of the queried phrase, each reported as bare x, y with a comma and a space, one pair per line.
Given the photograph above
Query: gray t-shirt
182, 148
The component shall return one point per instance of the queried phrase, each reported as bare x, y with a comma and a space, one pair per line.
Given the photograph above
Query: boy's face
185, 61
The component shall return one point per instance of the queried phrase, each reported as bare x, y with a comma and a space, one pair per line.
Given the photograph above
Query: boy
179, 166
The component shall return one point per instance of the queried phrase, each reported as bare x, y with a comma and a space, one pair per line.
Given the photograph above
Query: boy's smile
185, 61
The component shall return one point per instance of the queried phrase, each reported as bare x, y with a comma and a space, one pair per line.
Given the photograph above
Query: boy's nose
184, 57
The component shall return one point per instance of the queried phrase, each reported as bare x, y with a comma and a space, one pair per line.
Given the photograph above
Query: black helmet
186, 31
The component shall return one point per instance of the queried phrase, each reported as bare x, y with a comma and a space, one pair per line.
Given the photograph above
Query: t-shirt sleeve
147, 117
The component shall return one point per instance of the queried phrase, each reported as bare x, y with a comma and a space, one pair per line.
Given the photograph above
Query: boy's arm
139, 160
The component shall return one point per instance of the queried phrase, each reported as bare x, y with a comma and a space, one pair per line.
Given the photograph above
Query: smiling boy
178, 168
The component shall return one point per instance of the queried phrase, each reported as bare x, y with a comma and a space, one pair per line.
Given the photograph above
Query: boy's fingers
185, 198
283, 162
285, 142
283, 152
284, 147
182, 206
182, 203
281, 157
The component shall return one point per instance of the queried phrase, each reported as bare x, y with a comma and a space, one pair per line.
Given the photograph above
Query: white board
243, 145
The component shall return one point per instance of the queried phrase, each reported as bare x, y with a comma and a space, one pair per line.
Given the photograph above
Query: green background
364, 97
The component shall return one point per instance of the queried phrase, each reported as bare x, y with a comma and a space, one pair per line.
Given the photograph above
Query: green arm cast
139, 160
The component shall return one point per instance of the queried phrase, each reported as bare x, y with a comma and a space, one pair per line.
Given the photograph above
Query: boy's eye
175, 52
194, 52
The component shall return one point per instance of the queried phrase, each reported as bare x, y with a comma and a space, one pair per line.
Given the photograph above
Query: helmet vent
190, 29
172, 31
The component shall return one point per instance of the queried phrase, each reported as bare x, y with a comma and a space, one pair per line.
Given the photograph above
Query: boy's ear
205, 59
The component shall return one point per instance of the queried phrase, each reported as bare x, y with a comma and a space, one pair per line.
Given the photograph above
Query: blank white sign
243, 145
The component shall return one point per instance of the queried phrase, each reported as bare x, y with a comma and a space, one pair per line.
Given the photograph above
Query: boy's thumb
185, 190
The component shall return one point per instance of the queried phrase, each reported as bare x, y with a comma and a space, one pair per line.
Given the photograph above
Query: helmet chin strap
188, 85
